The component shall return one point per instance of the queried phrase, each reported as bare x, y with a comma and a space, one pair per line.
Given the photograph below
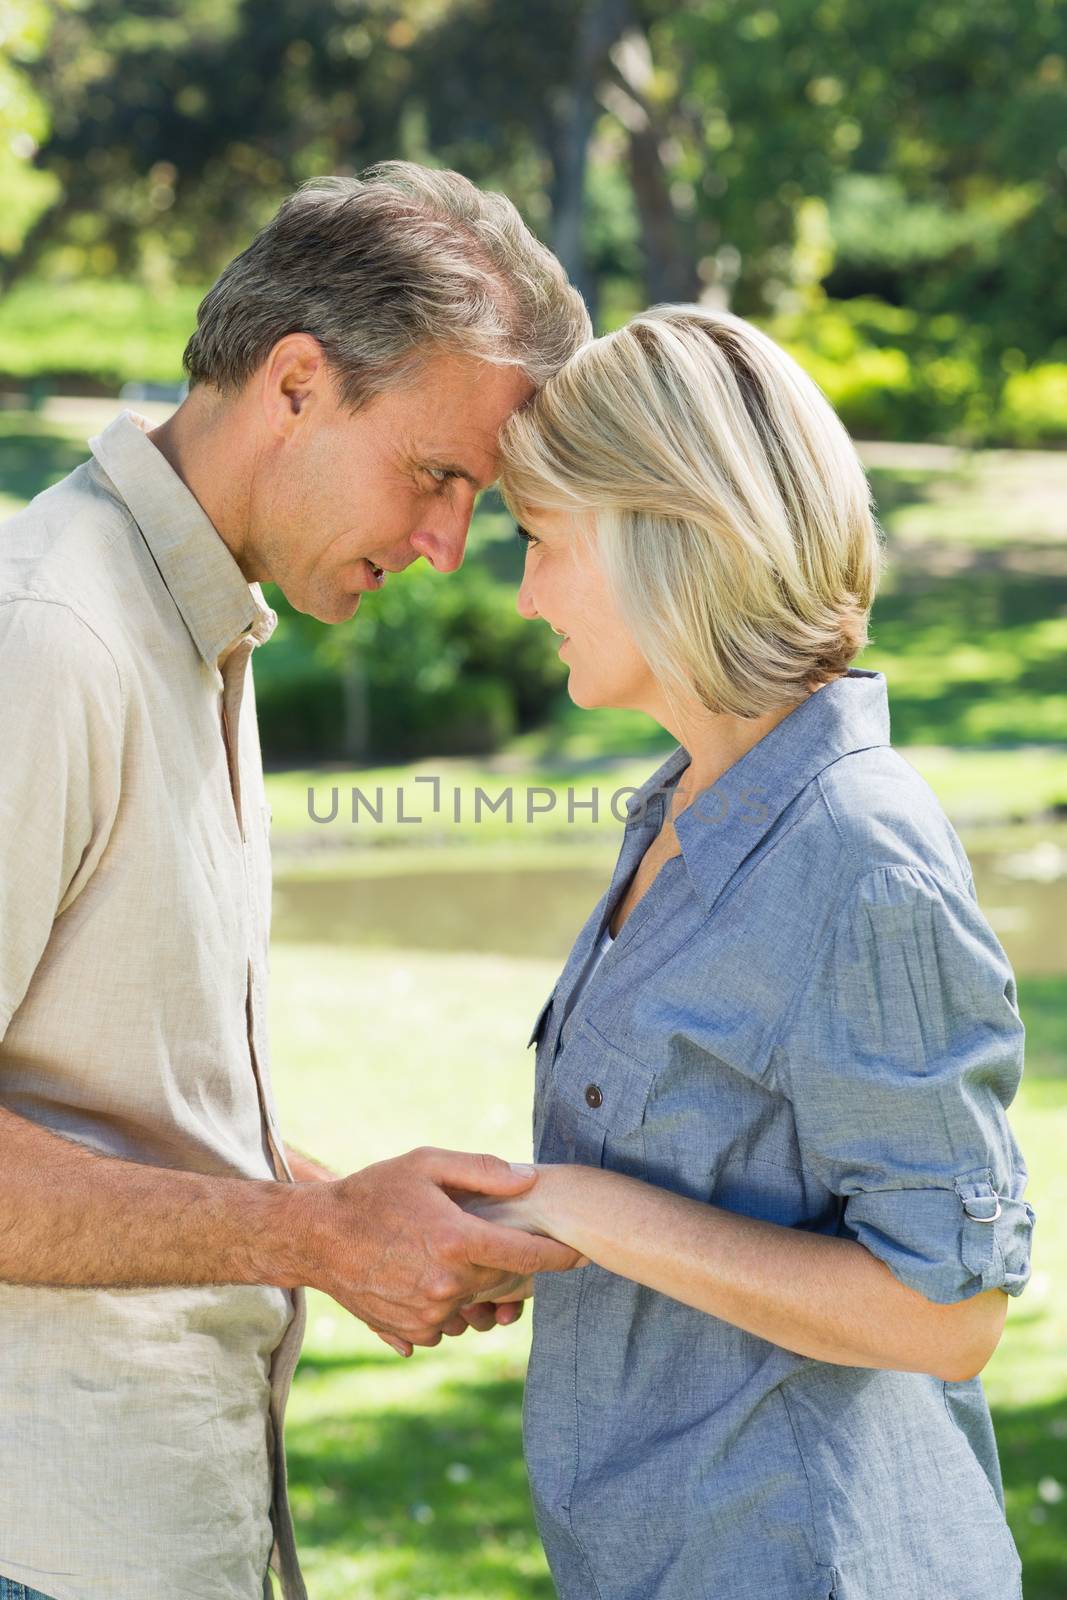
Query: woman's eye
524, 534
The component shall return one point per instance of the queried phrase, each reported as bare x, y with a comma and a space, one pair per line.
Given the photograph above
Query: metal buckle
996, 1213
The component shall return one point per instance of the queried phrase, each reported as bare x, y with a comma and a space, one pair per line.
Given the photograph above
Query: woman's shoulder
874, 809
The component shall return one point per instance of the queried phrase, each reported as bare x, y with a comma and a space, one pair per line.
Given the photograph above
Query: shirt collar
217, 603
727, 820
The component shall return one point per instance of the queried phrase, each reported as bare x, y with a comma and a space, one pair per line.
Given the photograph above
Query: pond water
538, 912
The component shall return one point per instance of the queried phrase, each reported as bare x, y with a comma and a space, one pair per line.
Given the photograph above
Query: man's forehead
463, 380
469, 447
466, 455
457, 423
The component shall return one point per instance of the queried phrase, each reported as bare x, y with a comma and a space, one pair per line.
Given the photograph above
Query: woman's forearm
827, 1298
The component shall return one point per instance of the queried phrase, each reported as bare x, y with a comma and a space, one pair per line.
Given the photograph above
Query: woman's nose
524, 602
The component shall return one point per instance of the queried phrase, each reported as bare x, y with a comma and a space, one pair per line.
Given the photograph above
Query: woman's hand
518, 1290
538, 1211
518, 1213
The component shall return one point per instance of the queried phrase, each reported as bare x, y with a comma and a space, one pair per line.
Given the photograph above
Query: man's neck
200, 444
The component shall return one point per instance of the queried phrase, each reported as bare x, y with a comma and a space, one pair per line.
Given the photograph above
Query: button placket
233, 677
233, 674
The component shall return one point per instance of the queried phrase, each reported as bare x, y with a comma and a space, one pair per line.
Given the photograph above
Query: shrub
1033, 408
93, 334
890, 373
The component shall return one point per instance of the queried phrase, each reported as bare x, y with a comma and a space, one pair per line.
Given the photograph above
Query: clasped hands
408, 1247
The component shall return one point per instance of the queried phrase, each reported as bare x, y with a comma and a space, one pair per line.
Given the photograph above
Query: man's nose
442, 540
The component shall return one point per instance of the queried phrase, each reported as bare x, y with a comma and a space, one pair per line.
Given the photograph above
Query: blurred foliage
882, 187
765, 156
24, 29
91, 337
1034, 405
891, 372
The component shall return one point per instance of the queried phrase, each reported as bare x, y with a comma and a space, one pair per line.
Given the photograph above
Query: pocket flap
535, 1031
607, 1088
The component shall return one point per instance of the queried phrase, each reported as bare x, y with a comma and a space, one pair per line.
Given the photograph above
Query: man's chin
340, 607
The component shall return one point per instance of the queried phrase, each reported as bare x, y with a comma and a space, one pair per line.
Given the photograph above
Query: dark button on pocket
593, 1096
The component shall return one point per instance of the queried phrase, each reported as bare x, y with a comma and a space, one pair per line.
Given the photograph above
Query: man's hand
388, 1243
391, 1245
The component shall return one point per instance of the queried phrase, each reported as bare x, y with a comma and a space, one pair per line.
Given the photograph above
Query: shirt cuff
949, 1243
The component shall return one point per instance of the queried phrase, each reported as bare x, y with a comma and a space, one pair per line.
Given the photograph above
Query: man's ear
293, 379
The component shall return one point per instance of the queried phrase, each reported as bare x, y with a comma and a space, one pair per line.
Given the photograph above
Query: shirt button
593, 1096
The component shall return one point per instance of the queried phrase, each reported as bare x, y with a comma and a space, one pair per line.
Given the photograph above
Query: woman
771, 1081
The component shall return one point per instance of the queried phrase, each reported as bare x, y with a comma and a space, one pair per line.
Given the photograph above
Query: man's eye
438, 474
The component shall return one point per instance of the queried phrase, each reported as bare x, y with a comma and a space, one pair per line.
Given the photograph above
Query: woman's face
566, 586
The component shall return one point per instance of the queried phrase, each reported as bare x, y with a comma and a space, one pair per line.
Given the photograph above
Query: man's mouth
374, 575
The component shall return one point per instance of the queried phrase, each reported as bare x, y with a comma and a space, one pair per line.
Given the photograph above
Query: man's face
339, 497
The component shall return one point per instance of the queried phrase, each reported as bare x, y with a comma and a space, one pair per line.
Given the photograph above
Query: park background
883, 188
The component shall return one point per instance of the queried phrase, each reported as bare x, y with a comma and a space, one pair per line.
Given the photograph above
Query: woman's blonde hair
732, 513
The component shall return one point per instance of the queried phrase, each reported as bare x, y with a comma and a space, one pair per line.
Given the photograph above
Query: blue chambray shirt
808, 1020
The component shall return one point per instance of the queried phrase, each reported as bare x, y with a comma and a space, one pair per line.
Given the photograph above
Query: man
349, 374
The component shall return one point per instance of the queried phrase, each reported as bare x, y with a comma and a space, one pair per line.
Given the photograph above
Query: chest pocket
535, 1031
592, 1106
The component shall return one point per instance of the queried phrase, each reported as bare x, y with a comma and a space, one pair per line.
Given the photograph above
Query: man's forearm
70, 1217
386, 1242
306, 1169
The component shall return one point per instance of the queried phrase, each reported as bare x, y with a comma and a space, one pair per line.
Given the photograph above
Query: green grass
977, 658
1027, 1381
989, 500
377, 1053
407, 1477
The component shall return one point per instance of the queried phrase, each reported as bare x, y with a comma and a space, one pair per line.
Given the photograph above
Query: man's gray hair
384, 270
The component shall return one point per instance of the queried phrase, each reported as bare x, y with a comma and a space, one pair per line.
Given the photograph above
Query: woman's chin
591, 696
583, 705
582, 694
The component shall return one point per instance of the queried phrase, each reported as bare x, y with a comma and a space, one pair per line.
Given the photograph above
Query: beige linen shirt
140, 1430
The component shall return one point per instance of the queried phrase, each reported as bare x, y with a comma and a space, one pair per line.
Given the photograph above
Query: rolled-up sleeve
900, 1058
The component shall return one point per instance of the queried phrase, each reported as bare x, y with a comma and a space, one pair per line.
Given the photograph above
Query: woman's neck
714, 742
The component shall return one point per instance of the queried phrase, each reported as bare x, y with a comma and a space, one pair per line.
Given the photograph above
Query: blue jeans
19, 1591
